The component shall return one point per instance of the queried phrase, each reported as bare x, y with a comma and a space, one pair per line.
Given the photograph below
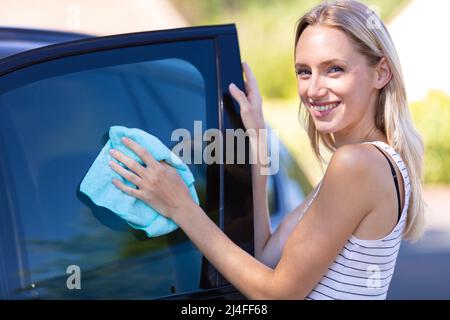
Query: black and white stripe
364, 268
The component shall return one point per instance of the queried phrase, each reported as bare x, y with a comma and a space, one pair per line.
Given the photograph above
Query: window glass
54, 128
272, 195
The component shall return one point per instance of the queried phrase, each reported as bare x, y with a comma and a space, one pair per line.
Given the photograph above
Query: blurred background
266, 34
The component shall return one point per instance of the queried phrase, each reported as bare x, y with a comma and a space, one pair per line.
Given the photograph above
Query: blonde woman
342, 241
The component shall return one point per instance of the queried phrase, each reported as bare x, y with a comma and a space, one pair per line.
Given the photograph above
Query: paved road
419, 34
423, 269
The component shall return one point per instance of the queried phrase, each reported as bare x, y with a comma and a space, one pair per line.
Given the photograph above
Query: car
59, 95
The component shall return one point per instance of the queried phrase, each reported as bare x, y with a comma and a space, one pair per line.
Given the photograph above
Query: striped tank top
363, 269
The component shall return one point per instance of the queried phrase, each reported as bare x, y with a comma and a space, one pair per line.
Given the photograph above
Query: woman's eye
302, 72
335, 69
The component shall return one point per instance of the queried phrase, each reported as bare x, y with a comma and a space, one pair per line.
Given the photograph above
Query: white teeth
326, 107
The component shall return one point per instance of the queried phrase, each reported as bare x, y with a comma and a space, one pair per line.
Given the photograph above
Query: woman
345, 247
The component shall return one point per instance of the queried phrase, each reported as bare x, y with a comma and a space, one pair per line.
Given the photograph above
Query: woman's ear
383, 74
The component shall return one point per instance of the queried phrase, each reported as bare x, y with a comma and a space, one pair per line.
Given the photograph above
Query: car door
57, 104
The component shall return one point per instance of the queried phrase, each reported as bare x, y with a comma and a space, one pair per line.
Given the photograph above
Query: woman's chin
325, 128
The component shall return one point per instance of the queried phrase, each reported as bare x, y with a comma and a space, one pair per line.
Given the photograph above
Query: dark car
59, 95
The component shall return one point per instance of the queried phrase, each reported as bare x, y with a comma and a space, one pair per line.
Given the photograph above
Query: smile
323, 109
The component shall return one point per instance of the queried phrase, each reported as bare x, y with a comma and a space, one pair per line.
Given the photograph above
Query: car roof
16, 40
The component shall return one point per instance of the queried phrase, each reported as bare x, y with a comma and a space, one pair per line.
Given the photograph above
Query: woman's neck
373, 134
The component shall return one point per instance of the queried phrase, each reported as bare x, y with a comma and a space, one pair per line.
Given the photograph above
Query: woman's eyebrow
323, 63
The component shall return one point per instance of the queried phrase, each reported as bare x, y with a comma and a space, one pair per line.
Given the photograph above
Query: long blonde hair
392, 117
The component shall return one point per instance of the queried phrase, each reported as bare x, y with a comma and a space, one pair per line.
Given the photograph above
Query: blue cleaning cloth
97, 184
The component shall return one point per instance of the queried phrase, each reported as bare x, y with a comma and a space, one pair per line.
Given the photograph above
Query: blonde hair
392, 117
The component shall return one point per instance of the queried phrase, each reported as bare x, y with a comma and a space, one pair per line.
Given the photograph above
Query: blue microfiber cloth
97, 184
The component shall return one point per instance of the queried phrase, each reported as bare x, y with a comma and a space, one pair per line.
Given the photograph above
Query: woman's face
335, 82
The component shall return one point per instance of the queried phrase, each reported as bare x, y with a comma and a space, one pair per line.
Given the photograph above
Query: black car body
59, 94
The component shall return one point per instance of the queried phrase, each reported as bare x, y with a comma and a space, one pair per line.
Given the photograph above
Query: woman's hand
159, 184
250, 104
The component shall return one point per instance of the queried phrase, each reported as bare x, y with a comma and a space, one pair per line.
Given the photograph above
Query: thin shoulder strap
394, 175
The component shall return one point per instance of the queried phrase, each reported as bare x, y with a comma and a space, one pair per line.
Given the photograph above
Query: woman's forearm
245, 273
261, 218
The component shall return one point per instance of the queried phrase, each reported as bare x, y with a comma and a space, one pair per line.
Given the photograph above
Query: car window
296, 185
55, 120
272, 195
287, 188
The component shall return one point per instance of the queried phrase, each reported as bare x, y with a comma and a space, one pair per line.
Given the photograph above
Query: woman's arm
267, 246
310, 248
261, 215
253, 120
275, 243
248, 275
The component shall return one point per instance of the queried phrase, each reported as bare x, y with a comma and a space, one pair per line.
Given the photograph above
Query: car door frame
228, 68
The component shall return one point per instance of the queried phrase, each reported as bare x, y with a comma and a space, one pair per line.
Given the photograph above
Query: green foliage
432, 119
266, 31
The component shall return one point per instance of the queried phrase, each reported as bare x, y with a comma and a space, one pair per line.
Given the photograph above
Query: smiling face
335, 81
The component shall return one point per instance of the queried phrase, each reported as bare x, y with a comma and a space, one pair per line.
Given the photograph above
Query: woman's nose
316, 88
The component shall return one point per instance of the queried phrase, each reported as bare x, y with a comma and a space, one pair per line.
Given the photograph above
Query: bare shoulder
354, 158
360, 169
352, 188
348, 195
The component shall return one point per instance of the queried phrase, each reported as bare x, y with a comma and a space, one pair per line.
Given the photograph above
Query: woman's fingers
130, 176
143, 154
252, 97
130, 163
250, 103
131, 191
251, 82
238, 95
251, 85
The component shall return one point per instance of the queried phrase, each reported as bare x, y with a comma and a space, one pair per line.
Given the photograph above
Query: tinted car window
272, 195
55, 119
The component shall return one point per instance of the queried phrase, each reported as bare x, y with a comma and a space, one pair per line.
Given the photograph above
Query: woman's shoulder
357, 158
362, 168
352, 188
